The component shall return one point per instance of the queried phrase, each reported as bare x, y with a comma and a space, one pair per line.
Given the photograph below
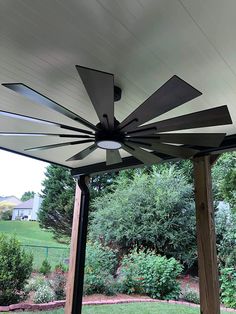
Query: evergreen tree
56, 213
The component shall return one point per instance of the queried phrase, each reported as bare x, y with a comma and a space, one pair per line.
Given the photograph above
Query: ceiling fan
144, 142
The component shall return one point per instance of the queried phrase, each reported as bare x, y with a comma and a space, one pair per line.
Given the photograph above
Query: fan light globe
109, 144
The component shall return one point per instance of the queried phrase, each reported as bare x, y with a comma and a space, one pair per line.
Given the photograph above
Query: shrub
100, 267
45, 268
61, 268
15, 270
145, 272
226, 237
7, 215
44, 294
34, 283
190, 295
58, 284
228, 286
155, 211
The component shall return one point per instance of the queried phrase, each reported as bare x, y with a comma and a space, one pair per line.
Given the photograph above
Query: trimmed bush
44, 294
228, 287
15, 270
154, 275
101, 263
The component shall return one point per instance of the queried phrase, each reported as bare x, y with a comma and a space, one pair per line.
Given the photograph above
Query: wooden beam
75, 278
206, 240
73, 245
214, 158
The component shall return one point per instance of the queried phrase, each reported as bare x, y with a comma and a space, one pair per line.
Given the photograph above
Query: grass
136, 308
29, 233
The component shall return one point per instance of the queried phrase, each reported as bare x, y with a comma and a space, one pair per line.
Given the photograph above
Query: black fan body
143, 141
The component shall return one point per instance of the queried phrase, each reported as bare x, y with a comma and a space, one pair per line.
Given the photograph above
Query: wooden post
206, 240
75, 278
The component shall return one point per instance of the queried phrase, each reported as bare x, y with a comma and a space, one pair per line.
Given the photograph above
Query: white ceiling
143, 42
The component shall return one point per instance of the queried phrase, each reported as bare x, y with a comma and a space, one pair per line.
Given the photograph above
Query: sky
19, 174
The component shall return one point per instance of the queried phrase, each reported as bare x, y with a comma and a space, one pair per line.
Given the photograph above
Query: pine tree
56, 213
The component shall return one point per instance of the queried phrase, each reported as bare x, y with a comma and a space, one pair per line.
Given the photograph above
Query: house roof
25, 205
10, 199
143, 43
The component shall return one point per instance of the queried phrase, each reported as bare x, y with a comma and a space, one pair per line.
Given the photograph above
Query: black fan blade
198, 139
35, 96
100, 88
57, 145
141, 154
44, 134
84, 153
113, 157
172, 94
171, 150
43, 121
200, 119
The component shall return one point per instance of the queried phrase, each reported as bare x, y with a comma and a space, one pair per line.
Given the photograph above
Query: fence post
46, 252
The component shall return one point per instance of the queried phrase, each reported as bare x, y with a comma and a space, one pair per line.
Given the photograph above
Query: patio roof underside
143, 43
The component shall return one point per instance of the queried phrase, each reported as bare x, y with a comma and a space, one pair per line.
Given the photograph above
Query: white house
27, 210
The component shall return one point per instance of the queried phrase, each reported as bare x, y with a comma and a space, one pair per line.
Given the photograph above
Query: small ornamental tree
15, 270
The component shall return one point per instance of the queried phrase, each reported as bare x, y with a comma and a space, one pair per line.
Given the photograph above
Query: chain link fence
53, 254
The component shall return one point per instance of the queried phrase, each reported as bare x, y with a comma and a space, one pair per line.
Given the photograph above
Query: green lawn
136, 308
29, 233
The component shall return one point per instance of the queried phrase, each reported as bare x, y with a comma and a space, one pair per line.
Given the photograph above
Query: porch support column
206, 239
78, 247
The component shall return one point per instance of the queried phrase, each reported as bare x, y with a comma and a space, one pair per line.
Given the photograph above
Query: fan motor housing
114, 136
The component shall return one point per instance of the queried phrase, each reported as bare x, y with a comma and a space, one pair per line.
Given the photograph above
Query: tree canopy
153, 211
58, 192
27, 196
152, 207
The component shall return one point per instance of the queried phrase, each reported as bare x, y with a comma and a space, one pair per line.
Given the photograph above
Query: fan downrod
117, 93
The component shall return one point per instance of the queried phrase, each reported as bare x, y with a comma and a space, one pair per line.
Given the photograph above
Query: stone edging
58, 304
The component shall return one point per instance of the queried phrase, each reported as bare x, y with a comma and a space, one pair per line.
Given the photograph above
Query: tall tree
154, 210
27, 196
224, 179
56, 211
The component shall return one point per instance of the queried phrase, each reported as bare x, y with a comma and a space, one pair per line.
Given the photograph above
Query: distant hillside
28, 232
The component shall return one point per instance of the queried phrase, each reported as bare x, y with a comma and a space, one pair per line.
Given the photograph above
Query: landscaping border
57, 304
